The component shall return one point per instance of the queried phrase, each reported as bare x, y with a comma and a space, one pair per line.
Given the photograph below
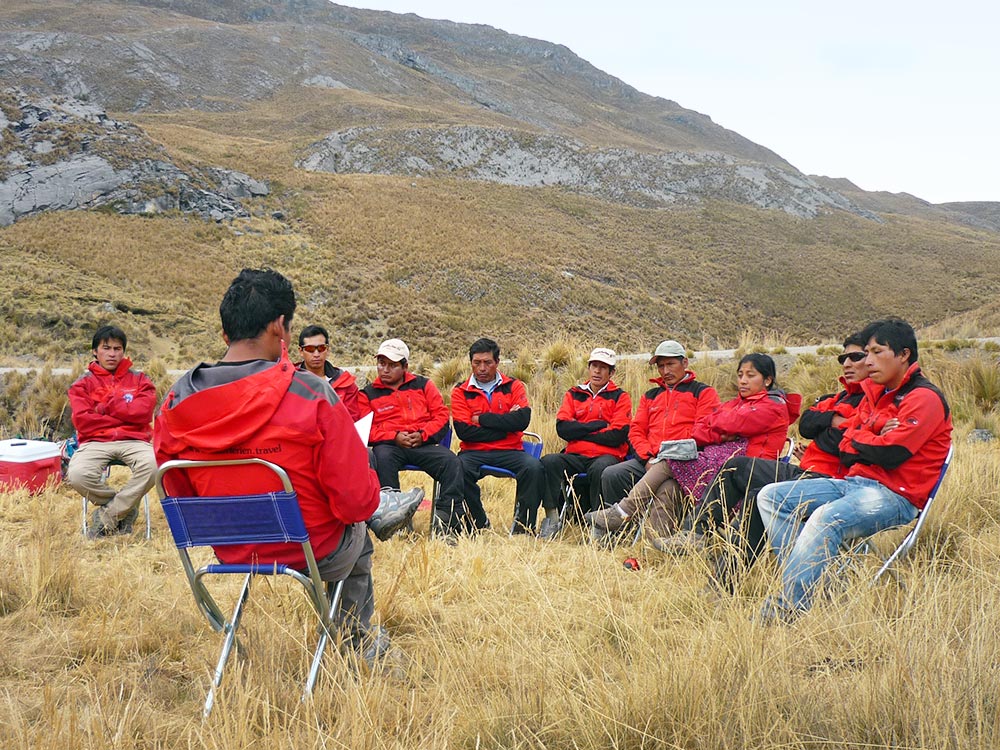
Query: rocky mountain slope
63, 154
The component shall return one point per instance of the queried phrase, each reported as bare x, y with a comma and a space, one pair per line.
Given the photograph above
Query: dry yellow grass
512, 643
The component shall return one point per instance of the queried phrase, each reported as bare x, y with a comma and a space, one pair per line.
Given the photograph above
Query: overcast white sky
894, 95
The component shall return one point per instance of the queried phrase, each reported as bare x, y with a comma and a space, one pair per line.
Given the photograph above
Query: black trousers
559, 466
436, 460
528, 473
730, 505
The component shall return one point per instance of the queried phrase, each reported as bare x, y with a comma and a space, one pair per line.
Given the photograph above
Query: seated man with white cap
593, 420
409, 420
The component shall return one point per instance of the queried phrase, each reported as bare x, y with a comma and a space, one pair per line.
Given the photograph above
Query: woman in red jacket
754, 424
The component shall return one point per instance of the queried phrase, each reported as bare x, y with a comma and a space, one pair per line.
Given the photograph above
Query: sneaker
127, 522
606, 519
100, 526
550, 528
681, 543
394, 511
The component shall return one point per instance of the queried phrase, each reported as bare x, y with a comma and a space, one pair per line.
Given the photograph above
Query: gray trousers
86, 474
352, 562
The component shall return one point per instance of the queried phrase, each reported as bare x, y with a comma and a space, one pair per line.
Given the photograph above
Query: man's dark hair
309, 331
895, 333
482, 346
257, 297
106, 333
856, 339
763, 364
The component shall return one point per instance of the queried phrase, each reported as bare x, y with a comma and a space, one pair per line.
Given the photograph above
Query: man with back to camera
893, 447
254, 402
409, 420
490, 412
593, 420
314, 343
112, 410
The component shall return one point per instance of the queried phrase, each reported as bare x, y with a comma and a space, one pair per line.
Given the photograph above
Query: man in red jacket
893, 447
314, 345
409, 420
112, 411
491, 412
255, 403
593, 420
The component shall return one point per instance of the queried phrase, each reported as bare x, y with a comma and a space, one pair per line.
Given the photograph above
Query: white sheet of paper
364, 426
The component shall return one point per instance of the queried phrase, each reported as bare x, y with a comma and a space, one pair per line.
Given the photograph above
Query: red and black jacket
109, 406
762, 419
415, 406
822, 455
669, 413
595, 424
499, 428
906, 459
343, 384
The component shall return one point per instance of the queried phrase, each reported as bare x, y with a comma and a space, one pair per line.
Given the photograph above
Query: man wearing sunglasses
732, 496
314, 343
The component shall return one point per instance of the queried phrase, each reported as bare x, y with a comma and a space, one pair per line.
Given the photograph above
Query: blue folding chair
199, 521
533, 446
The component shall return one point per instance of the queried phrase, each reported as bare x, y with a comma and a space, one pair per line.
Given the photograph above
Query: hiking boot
606, 519
681, 543
100, 526
394, 511
127, 522
520, 527
550, 528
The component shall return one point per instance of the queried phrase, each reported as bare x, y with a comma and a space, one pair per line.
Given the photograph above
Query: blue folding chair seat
533, 446
200, 521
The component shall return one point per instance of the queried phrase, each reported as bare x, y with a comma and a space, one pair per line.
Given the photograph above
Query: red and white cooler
28, 463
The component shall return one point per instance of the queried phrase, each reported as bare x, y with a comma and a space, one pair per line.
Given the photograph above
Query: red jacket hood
124, 366
210, 422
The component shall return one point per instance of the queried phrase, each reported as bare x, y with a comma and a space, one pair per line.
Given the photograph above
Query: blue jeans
808, 521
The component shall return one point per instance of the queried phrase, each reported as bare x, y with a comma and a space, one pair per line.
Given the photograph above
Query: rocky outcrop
65, 154
534, 160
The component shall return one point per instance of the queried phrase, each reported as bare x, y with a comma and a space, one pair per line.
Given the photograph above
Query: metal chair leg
227, 644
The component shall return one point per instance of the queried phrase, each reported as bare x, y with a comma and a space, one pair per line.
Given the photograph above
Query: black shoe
127, 522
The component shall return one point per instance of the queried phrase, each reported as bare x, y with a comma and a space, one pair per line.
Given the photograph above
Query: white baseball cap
668, 349
602, 354
394, 350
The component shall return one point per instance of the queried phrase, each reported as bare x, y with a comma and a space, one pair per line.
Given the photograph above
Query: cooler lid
24, 451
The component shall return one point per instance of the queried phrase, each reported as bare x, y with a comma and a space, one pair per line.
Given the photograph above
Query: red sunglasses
312, 348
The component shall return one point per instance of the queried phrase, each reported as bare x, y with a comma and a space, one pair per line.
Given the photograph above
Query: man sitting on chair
112, 411
490, 411
593, 420
314, 343
254, 403
409, 420
894, 447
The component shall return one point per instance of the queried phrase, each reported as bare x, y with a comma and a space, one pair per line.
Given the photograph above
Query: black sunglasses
853, 356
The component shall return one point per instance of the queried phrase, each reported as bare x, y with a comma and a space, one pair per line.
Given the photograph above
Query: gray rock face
533, 160
65, 154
